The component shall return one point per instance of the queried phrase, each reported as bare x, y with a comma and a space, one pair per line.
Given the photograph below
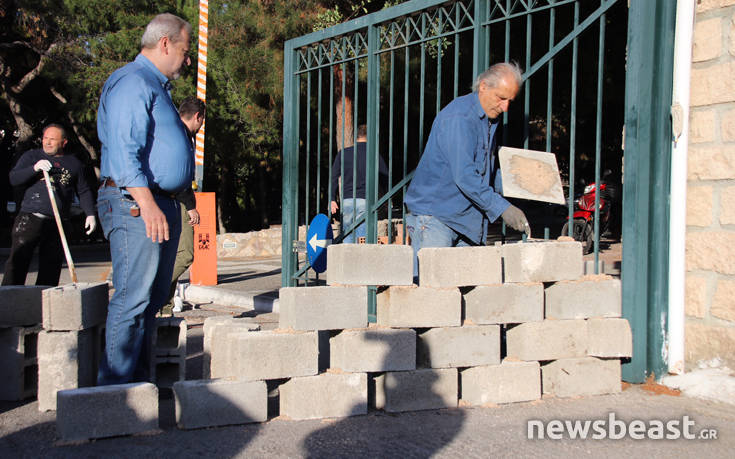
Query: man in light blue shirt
146, 158
455, 191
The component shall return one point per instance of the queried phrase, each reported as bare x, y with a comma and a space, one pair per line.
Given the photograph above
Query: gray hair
496, 72
164, 25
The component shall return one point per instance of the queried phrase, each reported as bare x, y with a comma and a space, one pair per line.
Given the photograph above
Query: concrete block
228, 323
508, 382
504, 303
419, 307
466, 346
373, 349
20, 305
327, 395
583, 376
262, 355
169, 337
18, 360
547, 340
166, 371
609, 338
542, 261
592, 296
423, 389
66, 360
369, 264
460, 266
323, 308
75, 306
216, 402
107, 411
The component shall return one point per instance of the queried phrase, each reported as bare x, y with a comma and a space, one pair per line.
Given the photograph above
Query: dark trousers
30, 231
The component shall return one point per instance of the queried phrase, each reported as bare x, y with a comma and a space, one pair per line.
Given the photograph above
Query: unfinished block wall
486, 325
710, 240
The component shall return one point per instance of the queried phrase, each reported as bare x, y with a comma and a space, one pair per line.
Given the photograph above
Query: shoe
178, 304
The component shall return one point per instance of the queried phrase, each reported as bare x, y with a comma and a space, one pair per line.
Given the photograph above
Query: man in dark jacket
353, 193
35, 224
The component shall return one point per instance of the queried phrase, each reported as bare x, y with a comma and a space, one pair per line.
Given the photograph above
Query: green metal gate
395, 69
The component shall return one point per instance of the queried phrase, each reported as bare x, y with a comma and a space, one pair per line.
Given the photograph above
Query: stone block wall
710, 240
434, 346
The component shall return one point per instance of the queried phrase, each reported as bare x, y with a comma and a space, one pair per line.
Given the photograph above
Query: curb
261, 301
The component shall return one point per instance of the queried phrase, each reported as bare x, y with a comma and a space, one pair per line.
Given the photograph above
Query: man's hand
335, 206
156, 225
193, 217
42, 165
516, 219
90, 224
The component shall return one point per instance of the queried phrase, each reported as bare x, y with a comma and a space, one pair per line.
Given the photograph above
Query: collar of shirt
145, 62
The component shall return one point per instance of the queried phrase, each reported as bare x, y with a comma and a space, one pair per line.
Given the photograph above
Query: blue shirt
144, 141
452, 180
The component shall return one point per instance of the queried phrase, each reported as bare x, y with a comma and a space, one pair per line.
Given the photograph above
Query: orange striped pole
201, 88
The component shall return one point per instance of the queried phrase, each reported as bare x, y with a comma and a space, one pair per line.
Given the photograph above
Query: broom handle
69, 261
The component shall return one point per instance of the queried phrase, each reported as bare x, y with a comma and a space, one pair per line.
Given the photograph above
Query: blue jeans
141, 276
429, 231
350, 212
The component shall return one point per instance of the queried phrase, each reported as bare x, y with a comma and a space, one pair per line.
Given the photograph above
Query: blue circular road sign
318, 238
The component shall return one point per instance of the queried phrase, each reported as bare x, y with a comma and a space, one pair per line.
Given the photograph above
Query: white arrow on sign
314, 242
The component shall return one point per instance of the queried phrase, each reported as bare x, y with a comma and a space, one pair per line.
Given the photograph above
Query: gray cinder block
327, 395
107, 411
18, 360
505, 303
263, 355
169, 337
413, 306
466, 346
589, 297
20, 305
369, 264
373, 349
584, 376
460, 266
216, 402
323, 308
547, 340
542, 261
423, 389
222, 325
609, 338
66, 360
166, 371
508, 382
75, 306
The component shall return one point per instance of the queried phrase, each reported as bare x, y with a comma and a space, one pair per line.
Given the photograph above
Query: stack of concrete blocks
71, 343
434, 344
20, 318
227, 394
168, 352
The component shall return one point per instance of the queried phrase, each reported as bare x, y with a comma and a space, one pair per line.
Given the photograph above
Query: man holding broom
35, 224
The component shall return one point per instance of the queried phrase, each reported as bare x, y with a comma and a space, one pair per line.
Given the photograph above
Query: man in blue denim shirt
146, 158
451, 199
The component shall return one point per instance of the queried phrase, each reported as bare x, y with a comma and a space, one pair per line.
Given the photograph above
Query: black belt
157, 191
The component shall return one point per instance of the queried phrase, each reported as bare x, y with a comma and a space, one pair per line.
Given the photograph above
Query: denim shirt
452, 180
144, 141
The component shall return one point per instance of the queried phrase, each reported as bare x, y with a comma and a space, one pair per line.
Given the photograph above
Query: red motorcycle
583, 221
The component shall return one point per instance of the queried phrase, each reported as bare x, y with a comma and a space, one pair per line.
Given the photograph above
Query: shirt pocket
481, 157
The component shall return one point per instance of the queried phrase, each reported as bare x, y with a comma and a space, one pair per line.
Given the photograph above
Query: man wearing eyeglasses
146, 159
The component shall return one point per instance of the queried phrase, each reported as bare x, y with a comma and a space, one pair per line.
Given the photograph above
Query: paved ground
469, 432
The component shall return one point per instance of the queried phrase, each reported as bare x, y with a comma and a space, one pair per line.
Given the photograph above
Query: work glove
90, 224
516, 219
42, 165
